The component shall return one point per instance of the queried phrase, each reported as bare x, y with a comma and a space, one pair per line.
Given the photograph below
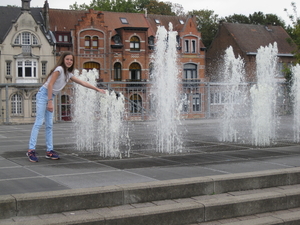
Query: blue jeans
42, 114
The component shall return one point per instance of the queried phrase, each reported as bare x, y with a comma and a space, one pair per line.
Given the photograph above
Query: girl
55, 82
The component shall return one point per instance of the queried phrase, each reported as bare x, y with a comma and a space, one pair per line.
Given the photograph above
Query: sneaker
31, 156
52, 155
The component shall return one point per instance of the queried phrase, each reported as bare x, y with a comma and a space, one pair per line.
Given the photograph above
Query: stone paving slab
203, 155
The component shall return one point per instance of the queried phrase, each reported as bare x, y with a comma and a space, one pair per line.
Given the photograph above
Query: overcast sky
221, 7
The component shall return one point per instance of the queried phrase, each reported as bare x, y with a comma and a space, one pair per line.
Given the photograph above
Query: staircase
265, 197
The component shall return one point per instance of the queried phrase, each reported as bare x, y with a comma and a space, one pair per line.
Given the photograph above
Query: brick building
120, 45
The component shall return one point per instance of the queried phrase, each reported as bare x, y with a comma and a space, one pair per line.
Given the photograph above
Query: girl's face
68, 60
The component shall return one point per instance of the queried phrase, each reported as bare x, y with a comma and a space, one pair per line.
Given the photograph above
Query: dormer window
134, 43
123, 20
117, 39
26, 38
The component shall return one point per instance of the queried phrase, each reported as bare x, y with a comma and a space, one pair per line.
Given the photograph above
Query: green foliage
237, 18
131, 6
294, 31
160, 8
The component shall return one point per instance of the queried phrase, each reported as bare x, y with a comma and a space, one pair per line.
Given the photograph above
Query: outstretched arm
86, 84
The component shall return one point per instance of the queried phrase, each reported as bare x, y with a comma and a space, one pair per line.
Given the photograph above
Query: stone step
253, 193
282, 217
198, 209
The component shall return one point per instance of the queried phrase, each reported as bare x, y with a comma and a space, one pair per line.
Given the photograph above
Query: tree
207, 24
159, 8
178, 9
294, 31
237, 18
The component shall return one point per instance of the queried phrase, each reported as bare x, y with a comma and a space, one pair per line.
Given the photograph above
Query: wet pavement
203, 155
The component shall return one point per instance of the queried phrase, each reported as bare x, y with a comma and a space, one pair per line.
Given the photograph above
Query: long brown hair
61, 62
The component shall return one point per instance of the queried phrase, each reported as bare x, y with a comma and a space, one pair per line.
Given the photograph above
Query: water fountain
263, 116
98, 119
296, 101
165, 90
234, 96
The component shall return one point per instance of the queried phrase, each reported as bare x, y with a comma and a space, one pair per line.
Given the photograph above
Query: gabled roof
250, 37
9, 14
164, 21
64, 20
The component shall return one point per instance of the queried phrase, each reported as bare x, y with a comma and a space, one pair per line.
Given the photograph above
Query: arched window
16, 104
87, 42
33, 105
151, 69
190, 71
134, 43
135, 72
91, 65
26, 38
135, 103
117, 72
95, 42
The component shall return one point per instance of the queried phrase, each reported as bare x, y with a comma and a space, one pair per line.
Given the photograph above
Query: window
65, 108
8, 68
123, 20
117, 72
190, 71
181, 21
66, 39
217, 98
26, 38
16, 104
151, 69
91, 65
135, 103
193, 46
157, 21
95, 42
44, 68
186, 46
87, 42
134, 43
185, 103
280, 68
27, 68
33, 105
135, 71
60, 38
197, 102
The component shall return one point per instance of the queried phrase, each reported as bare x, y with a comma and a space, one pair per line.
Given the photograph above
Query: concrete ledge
171, 189
237, 206
7, 206
89, 198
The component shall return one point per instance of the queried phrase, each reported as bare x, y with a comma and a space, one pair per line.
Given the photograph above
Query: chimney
46, 14
26, 5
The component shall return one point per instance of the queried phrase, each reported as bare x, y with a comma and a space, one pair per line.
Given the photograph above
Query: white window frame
16, 104
26, 38
25, 64
8, 68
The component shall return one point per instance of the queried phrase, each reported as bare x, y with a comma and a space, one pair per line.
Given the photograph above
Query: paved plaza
204, 155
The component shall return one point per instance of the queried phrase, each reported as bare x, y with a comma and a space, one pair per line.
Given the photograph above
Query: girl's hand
101, 91
50, 106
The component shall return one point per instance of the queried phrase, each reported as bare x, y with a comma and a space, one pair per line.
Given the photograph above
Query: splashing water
234, 95
98, 119
296, 101
165, 91
263, 95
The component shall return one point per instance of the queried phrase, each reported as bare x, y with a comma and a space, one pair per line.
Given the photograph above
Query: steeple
26, 5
